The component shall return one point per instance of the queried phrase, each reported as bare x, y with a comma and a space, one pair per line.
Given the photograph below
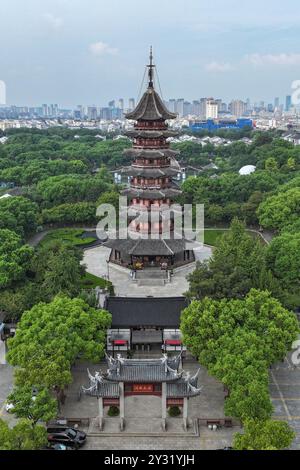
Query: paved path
285, 394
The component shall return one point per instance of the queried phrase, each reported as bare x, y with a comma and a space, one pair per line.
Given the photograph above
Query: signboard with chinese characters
142, 388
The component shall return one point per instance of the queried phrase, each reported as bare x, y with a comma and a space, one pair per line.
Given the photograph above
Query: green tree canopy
50, 337
14, 258
38, 407
23, 436
237, 340
18, 214
264, 435
280, 210
233, 269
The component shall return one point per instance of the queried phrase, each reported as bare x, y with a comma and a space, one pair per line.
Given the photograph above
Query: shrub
113, 411
174, 411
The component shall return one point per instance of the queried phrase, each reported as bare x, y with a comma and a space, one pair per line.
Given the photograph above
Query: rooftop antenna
151, 67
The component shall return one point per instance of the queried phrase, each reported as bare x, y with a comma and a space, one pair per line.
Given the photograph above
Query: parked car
57, 446
66, 435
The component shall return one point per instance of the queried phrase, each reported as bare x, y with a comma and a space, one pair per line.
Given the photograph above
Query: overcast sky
91, 51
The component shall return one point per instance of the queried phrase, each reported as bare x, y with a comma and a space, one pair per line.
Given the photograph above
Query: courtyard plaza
143, 413
96, 262
143, 418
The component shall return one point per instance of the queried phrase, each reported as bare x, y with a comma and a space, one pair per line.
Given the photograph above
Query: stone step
151, 282
152, 429
151, 274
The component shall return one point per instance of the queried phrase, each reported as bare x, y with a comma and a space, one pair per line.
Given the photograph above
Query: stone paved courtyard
143, 417
284, 389
285, 393
96, 259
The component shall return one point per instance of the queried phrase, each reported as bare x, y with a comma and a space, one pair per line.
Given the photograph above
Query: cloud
101, 48
283, 59
219, 67
54, 21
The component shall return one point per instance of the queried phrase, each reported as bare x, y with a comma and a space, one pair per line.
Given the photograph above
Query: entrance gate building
158, 377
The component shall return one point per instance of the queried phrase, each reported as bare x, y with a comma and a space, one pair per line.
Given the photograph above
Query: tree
38, 407
280, 210
233, 269
271, 164
264, 435
237, 340
57, 269
14, 258
23, 436
50, 337
18, 214
283, 260
79, 212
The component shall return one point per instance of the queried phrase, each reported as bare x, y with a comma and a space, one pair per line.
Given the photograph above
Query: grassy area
68, 235
89, 281
211, 236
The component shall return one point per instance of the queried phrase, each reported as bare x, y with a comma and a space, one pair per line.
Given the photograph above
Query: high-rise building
172, 106
211, 109
112, 104
238, 108
276, 103
203, 102
121, 103
196, 108
180, 105
92, 113
288, 103
131, 103
45, 110
187, 108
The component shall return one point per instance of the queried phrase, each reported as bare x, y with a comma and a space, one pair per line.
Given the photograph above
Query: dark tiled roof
163, 370
145, 311
150, 108
151, 193
158, 247
150, 134
141, 370
106, 389
150, 154
150, 172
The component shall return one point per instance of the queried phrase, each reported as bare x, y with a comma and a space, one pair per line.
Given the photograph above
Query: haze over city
94, 51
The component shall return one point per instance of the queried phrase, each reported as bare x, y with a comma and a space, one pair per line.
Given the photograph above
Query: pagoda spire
151, 67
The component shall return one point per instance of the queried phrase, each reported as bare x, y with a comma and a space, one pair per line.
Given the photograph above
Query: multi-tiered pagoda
152, 187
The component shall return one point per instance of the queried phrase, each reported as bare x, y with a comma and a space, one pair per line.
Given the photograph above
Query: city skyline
70, 53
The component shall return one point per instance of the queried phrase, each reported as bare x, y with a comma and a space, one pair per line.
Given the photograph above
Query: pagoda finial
151, 68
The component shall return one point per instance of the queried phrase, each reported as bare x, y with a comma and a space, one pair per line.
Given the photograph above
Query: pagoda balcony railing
152, 207
142, 164
151, 145
150, 186
151, 125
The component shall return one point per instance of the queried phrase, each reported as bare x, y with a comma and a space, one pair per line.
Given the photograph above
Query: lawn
71, 236
89, 281
211, 236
